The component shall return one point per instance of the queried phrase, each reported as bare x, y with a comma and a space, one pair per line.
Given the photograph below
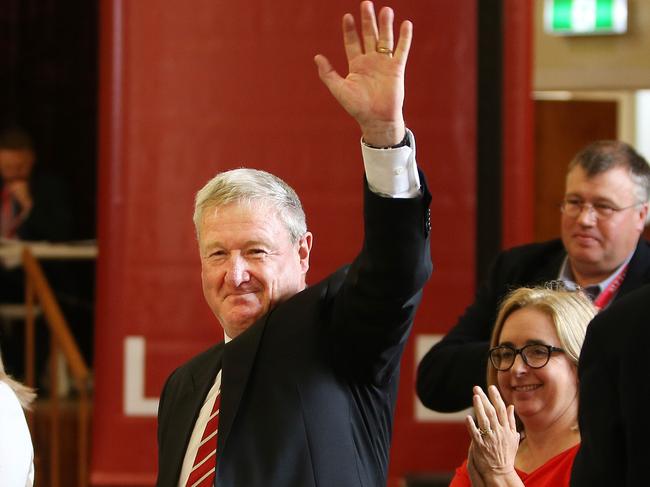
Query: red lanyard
608, 293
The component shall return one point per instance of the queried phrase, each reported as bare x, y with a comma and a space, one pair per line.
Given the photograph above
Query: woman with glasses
16, 451
525, 430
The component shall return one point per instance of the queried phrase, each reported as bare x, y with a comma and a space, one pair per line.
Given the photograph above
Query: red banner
188, 90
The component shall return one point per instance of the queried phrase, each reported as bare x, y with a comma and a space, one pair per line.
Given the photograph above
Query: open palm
373, 90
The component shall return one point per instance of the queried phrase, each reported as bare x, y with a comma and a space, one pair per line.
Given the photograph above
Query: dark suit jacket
448, 371
308, 391
614, 396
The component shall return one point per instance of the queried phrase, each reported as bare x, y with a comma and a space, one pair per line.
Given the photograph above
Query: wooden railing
37, 290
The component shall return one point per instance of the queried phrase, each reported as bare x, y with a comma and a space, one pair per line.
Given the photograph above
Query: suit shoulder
643, 242
529, 263
534, 251
641, 255
323, 289
203, 358
203, 361
633, 305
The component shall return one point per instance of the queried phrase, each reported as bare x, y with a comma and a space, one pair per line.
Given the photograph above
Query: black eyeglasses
535, 356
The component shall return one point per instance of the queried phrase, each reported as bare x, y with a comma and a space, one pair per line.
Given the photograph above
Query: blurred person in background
601, 250
34, 206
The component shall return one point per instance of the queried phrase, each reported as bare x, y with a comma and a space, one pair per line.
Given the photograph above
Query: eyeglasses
535, 355
573, 208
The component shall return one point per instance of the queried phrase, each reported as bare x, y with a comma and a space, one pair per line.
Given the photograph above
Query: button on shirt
566, 275
392, 173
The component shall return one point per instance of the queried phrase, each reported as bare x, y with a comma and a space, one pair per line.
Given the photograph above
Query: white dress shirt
16, 451
197, 432
391, 173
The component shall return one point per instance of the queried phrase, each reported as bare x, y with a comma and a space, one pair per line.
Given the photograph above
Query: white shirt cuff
392, 173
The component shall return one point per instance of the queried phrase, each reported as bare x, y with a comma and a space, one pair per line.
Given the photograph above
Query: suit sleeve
374, 309
635, 395
600, 422
614, 397
163, 424
454, 365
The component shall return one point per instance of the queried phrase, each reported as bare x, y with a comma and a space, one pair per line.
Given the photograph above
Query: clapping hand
495, 438
373, 90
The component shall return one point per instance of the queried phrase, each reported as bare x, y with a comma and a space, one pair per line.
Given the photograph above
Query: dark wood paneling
562, 128
489, 140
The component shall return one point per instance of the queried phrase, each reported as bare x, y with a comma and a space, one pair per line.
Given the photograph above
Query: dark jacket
448, 371
308, 391
614, 396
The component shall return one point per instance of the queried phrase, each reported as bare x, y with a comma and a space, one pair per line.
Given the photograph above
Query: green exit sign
585, 17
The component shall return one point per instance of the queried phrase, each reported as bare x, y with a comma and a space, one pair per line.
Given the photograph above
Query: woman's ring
484, 432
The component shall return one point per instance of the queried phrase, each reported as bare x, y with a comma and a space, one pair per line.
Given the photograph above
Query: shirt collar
566, 275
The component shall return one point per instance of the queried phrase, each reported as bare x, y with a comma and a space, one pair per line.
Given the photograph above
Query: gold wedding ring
384, 50
484, 432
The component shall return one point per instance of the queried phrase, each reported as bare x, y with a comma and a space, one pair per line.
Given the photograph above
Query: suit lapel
637, 269
188, 402
238, 358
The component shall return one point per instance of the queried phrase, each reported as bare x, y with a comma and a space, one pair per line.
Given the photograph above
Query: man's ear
643, 216
304, 249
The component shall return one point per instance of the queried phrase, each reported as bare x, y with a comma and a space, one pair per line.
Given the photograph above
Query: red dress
554, 473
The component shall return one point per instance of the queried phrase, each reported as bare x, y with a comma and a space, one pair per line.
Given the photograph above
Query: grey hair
252, 186
603, 155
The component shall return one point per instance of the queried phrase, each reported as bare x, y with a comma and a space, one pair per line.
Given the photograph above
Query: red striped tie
205, 462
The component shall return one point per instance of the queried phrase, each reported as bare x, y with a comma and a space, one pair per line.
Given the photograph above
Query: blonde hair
25, 395
570, 311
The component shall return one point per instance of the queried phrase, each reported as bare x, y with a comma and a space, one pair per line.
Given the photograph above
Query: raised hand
373, 90
495, 439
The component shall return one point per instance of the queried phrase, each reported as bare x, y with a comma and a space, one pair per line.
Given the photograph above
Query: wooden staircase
60, 421
40, 424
